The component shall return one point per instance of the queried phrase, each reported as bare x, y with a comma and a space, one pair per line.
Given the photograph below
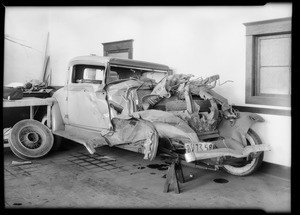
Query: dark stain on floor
220, 180
158, 166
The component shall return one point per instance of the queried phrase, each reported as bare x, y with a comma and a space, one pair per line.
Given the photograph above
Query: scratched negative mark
96, 162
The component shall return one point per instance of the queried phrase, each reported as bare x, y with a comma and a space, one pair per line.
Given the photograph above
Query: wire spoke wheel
30, 139
247, 168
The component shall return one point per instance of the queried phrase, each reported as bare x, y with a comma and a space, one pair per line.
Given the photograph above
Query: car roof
94, 59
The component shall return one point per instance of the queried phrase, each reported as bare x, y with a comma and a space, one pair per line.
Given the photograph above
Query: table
31, 102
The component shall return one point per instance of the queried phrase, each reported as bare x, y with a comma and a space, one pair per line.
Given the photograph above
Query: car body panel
85, 109
122, 110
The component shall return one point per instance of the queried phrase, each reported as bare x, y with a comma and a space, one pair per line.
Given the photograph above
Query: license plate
198, 147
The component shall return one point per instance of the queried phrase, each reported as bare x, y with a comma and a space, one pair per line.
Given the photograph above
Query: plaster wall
25, 43
202, 41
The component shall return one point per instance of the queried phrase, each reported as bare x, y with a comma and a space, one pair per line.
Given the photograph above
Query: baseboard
275, 170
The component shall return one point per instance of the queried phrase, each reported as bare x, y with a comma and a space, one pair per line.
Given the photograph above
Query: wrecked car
143, 107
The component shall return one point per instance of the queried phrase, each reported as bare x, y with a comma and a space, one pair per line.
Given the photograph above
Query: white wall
276, 131
196, 40
28, 27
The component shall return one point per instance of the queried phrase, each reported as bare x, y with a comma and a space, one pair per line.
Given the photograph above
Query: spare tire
30, 139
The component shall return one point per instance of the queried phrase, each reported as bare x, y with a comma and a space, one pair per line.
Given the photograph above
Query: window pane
275, 80
275, 51
93, 74
87, 72
99, 74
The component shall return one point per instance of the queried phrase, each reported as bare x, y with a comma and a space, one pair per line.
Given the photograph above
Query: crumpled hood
117, 93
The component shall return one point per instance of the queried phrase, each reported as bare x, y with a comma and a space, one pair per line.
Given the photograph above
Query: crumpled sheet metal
136, 131
238, 129
183, 88
168, 125
208, 120
203, 88
175, 133
164, 89
174, 81
93, 143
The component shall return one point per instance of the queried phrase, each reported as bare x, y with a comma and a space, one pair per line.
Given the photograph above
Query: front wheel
247, 169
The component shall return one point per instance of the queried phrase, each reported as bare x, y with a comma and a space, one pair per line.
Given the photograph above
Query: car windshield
117, 73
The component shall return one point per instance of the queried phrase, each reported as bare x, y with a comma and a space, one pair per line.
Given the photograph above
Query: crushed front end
185, 113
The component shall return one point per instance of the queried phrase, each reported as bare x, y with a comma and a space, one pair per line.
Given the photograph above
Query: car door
87, 105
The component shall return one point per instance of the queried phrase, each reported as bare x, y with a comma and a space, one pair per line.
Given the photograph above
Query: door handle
83, 90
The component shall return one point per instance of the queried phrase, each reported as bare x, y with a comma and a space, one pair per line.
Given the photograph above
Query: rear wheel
247, 169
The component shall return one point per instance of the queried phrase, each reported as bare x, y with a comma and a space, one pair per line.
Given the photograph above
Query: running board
90, 139
192, 156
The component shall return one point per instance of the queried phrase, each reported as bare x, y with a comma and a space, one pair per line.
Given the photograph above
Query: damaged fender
237, 129
168, 125
234, 141
56, 118
133, 134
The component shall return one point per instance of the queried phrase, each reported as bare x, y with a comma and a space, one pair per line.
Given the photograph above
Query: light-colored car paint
87, 117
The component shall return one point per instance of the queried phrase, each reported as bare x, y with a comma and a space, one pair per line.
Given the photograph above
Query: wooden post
31, 112
179, 172
172, 180
174, 174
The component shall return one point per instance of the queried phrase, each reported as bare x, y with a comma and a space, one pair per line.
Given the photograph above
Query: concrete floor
116, 178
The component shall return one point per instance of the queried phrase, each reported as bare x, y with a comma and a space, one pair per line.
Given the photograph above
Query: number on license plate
198, 147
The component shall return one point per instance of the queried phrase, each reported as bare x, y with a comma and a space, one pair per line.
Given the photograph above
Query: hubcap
30, 139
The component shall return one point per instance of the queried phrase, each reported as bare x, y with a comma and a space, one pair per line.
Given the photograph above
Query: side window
118, 73
268, 58
88, 74
113, 76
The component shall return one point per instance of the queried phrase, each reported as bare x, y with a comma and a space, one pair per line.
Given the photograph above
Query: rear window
88, 74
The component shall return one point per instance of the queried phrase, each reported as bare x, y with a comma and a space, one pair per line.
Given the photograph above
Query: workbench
31, 102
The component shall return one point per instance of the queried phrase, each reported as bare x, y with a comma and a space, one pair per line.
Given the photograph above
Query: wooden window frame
118, 46
254, 31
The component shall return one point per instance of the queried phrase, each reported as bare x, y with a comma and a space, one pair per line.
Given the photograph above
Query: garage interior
116, 178
38, 51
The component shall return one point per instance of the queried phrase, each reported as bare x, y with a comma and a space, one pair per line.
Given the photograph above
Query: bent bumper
213, 153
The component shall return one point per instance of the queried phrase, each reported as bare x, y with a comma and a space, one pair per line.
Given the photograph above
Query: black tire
57, 139
30, 139
255, 163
